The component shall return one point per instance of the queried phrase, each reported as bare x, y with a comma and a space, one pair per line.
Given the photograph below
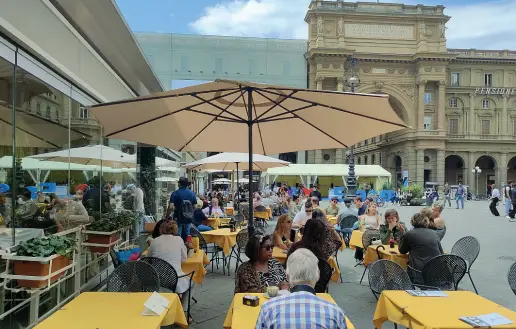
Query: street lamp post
477, 172
353, 82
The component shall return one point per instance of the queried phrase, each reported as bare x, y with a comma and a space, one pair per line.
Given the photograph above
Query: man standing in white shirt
495, 197
303, 216
507, 195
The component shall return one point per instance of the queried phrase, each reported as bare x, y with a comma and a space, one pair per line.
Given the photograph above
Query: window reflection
6, 161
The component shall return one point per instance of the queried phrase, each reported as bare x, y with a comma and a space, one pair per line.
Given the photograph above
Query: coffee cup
272, 291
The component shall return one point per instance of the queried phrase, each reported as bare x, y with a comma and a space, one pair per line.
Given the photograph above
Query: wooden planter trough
101, 242
36, 272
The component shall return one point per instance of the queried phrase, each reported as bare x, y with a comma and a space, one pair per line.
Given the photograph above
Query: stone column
471, 115
146, 160
340, 84
442, 106
339, 156
440, 168
420, 166
504, 118
318, 156
319, 81
421, 105
471, 175
503, 170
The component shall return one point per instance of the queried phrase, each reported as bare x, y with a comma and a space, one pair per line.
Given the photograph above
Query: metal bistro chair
367, 238
210, 249
468, 248
511, 277
166, 272
241, 241
325, 273
168, 277
441, 233
443, 272
133, 276
347, 223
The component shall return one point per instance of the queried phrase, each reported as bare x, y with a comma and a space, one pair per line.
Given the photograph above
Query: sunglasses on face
268, 248
308, 210
289, 221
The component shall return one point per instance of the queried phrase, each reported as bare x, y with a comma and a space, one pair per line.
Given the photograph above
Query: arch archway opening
511, 169
487, 177
453, 170
397, 165
396, 105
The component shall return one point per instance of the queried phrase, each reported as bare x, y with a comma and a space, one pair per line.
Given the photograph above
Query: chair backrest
444, 272
195, 232
511, 276
325, 273
133, 276
368, 237
141, 241
167, 273
244, 209
348, 221
260, 209
387, 275
468, 248
242, 238
441, 233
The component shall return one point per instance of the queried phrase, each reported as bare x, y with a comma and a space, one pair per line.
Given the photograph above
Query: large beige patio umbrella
236, 116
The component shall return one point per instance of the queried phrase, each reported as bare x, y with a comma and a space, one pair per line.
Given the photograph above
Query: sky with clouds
473, 24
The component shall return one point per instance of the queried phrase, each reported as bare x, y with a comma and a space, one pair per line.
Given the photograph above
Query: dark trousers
492, 207
513, 211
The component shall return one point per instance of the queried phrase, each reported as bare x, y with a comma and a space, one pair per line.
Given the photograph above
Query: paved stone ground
496, 236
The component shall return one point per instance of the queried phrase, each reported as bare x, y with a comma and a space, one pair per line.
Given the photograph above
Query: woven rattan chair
166, 272
325, 273
443, 272
367, 238
511, 277
468, 248
133, 277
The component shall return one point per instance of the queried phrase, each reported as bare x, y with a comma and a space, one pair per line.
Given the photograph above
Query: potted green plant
47, 257
103, 232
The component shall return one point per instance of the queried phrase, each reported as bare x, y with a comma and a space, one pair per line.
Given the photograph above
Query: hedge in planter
45, 247
110, 222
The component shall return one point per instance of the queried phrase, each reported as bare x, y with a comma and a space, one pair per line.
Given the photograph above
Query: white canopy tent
221, 181
309, 172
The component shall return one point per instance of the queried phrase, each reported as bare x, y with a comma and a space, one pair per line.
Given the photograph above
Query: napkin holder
251, 301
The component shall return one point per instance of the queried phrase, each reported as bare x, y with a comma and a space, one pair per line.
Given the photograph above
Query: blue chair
4, 188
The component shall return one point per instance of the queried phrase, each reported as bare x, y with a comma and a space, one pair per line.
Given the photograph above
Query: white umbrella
237, 116
221, 181
245, 181
236, 161
99, 155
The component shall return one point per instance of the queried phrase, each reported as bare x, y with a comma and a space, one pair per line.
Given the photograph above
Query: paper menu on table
427, 293
155, 305
486, 320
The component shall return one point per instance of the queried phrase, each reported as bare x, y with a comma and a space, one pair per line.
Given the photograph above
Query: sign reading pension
495, 91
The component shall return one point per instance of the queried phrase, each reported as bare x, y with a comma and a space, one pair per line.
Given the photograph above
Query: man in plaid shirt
302, 309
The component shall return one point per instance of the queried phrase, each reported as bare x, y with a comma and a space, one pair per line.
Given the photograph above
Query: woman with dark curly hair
313, 238
261, 270
332, 239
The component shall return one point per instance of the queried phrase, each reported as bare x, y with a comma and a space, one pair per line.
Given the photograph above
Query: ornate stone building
459, 103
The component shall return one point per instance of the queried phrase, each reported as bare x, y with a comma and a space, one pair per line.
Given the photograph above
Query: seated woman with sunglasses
261, 270
282, 233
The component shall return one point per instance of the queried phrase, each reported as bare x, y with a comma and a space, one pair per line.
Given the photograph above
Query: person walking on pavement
507, 196
513, 204
447, 192
460, 196
495, 197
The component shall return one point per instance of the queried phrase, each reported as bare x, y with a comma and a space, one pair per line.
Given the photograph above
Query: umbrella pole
237, 192
250, 129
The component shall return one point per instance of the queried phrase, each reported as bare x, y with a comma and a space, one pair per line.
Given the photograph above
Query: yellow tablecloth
332, 220
356, 239
388, 253
223, 238
280, 256
269, 212
241, 316
230, 211
435, 312
216, 222
196, 263
114, 311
